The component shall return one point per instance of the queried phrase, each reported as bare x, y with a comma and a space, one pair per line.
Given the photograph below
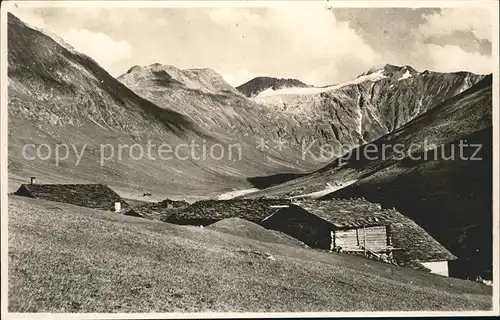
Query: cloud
306, 43
452, 58
29, 18
226, 16
477, 20
99, 46
310, 43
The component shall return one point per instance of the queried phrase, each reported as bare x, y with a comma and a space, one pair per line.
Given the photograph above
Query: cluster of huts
348, 225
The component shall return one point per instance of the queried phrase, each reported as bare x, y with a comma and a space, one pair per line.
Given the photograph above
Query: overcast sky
317, 45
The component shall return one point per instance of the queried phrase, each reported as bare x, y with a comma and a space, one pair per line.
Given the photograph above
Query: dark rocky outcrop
259, 84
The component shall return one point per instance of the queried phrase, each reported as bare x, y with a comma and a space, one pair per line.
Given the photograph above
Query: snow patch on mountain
235, 193
406, 75
329, 188
376, 76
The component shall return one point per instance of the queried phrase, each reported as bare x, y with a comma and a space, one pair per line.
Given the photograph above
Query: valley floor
64, 258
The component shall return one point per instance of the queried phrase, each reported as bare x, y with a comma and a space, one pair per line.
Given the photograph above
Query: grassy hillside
70, 259
249, 230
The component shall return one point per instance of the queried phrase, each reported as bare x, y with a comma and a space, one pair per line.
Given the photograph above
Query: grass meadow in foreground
64, 258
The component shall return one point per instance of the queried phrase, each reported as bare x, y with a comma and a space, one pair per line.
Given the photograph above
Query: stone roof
215, 210
161, 210
347, 214
418, 245
98, 196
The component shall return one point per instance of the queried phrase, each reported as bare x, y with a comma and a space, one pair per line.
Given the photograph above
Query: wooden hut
357, 225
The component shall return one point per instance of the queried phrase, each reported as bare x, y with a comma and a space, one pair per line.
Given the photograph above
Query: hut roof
345, 214
405, 233
161, 210
98, 196
215, 210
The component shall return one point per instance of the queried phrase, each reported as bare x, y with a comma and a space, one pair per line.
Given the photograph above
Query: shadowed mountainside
451, 199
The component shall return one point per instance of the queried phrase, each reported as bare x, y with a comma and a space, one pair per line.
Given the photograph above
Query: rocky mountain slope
342, 116
375, 103
414, 170
59, 96
203, 96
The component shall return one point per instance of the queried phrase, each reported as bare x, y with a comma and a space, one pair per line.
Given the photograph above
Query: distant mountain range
52, 87
276, 86
366, 108
343, 115
203, 96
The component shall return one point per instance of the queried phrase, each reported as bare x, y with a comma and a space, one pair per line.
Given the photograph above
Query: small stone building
97, 196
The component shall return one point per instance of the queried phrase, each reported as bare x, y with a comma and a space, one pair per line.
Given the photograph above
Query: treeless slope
246, 229
64, 258
342, 116
204, 97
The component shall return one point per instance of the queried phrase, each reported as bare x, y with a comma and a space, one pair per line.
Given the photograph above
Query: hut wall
437, 267
371, 237
22, 191
376, 237
346, 238
300, 224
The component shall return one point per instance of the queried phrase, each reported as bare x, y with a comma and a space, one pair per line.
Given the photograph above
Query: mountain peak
135, 68
163, 75
391, 71
259, 84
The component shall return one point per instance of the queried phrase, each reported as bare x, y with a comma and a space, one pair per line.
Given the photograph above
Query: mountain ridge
343, 116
